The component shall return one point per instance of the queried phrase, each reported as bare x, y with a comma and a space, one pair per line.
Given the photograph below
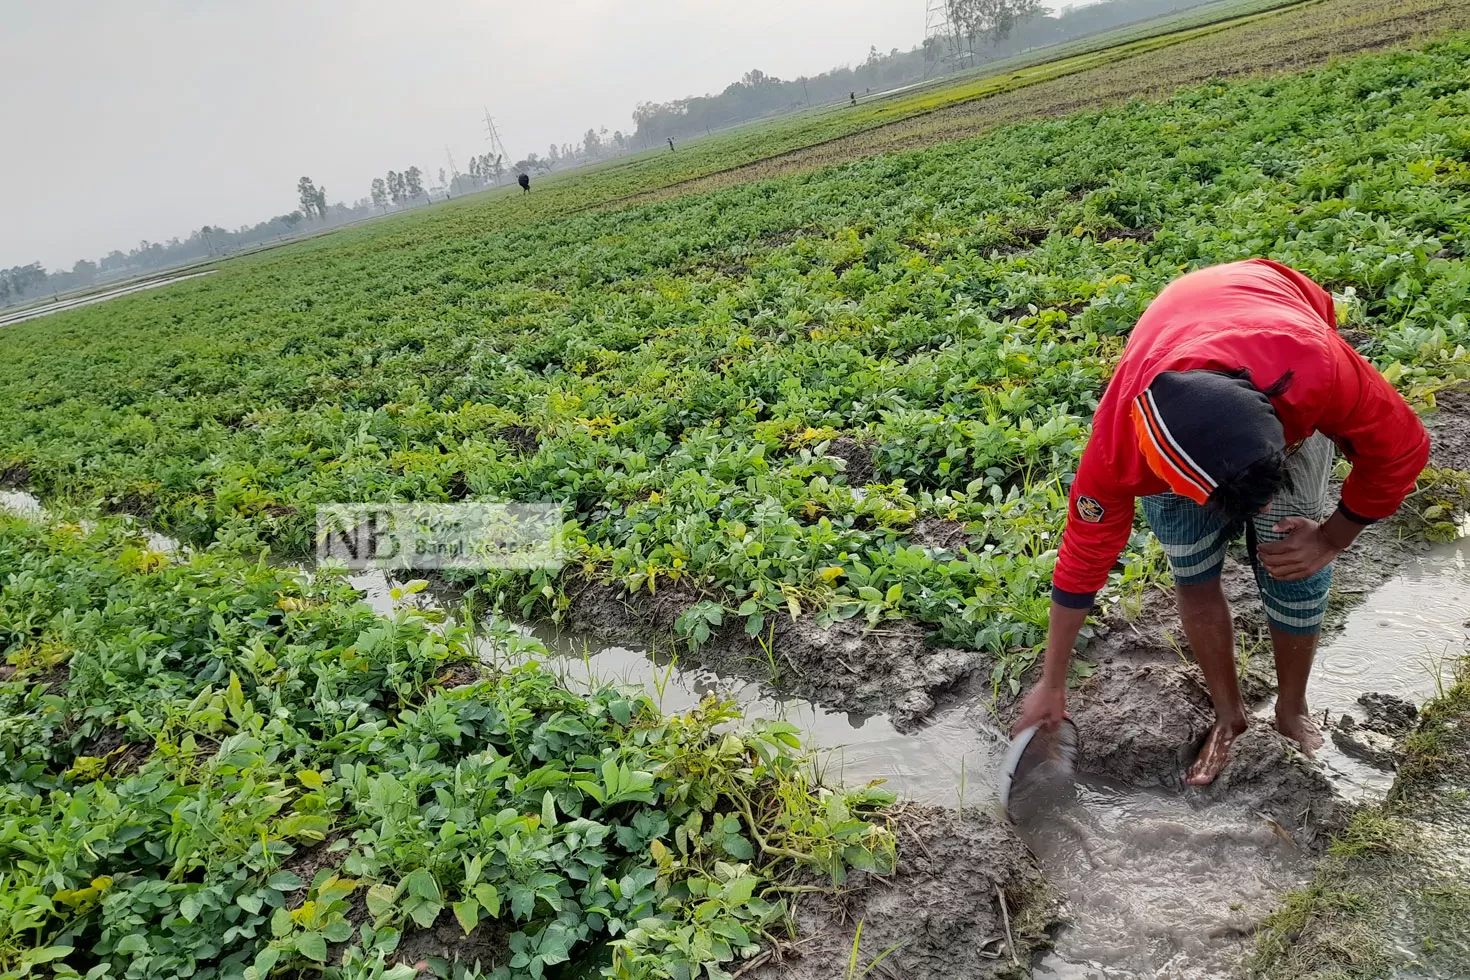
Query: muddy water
1402, 639
953, 759
1155, 887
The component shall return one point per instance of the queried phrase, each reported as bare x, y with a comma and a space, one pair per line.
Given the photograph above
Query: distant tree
380, 193
305, 192
497, 167
592, 143
19, 280
84, 270
553, 154
320, 202
395, 187
992, 20
443, 179
413, 182
475, 167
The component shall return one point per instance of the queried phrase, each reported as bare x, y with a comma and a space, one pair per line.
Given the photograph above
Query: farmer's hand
1045, 705
1304, 551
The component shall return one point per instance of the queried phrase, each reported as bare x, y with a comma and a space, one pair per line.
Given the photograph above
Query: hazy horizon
164, 117
150, 120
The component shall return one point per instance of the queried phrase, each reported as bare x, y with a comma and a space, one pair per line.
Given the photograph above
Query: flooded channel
124, 289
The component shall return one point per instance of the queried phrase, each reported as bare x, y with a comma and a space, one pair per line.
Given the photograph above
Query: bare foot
1215, 754
1300, 728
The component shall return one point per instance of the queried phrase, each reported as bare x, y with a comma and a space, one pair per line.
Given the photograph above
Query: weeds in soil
662, 675
767, 659
852, 972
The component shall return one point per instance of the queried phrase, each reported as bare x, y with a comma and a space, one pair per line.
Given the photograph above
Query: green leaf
266, 960
310, 778
135, 943
281, 924
737, 847
421, 883
548, 810
190, 907
621, 711
380, 899
741, 889
489, 899
250, 901
522, 901
313, 946
47, 954
468, 914
284, 881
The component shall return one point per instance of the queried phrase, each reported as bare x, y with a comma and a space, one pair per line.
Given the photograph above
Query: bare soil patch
941, 912
858, 457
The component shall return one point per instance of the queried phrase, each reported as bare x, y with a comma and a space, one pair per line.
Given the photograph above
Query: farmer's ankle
1232, 722
1295, 709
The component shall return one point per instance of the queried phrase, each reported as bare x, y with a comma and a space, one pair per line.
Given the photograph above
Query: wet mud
889, 669
967, 901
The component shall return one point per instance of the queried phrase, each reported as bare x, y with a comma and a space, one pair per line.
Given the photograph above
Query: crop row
210, 767
680, 373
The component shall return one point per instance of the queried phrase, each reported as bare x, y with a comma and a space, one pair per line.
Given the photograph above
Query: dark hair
1247, 493
1277, 388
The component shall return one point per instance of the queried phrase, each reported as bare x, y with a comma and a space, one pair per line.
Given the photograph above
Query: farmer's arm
1099, 520
1386, 443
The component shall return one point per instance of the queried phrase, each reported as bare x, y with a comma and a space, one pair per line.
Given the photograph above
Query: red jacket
1268, 319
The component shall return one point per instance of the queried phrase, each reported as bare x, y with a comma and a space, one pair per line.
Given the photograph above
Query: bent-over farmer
1222, 415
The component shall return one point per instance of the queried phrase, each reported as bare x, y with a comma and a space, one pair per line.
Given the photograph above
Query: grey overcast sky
145, 119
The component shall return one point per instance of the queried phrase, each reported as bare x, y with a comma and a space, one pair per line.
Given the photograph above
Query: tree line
982, 31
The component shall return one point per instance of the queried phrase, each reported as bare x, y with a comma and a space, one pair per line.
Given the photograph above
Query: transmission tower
939, 33
496, 146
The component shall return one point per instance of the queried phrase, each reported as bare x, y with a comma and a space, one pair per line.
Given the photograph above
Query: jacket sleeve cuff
1072, 600
1354, 516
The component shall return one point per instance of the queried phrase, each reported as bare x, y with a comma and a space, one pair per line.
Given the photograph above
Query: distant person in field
525, 181
853, 97
1222, 416
671, 144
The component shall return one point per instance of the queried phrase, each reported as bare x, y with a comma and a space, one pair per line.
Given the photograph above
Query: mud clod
16, 477
486, 945
1141, 723
940, 533
1388, 713
941, 910
1268, 775
1366, 744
